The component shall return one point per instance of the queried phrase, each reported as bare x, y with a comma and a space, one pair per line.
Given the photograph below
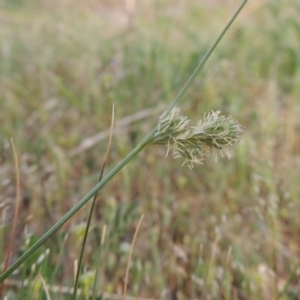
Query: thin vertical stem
92, 207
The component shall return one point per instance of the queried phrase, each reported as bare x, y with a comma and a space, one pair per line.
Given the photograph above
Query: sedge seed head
216, 134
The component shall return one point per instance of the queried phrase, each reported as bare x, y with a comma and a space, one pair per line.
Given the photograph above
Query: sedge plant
215, 134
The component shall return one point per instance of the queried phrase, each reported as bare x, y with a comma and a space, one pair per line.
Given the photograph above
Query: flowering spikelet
215, 134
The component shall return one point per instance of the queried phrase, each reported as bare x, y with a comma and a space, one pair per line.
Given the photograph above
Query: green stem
146, 140
203, 61
77, 207
87, 227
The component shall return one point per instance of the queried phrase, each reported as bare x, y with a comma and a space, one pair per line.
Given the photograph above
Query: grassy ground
226, 230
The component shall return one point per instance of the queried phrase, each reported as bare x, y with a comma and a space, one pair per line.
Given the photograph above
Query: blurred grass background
226, 230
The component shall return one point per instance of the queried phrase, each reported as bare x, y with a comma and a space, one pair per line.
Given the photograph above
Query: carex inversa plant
214, 134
